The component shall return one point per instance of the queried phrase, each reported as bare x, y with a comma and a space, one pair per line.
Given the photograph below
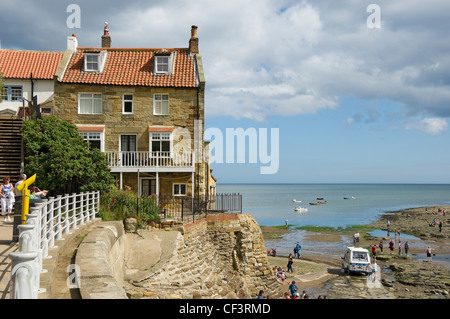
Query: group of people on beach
391, 247
9, 194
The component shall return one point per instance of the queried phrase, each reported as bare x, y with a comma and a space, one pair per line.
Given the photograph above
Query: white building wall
43, 89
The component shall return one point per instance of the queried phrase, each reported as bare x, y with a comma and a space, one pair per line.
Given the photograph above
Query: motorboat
352, 197
300, 209
322, 202
296, 201
319, 198
314, 203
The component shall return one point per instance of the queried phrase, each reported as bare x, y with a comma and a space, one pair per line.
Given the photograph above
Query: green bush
61, 159
118, 204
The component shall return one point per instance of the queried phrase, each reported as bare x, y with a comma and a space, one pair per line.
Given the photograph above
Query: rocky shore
399, 276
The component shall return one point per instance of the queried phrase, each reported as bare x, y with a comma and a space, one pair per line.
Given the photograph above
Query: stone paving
7, 246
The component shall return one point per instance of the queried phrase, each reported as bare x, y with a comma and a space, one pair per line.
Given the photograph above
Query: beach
399, 277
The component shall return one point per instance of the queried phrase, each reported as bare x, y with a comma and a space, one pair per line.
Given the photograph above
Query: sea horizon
271, 204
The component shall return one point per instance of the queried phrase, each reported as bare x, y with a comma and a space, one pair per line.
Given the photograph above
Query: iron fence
189, 209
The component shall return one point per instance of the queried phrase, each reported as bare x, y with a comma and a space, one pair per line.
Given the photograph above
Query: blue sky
352, 103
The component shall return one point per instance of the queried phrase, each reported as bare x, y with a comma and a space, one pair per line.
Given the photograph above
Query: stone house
143, 107
27, 74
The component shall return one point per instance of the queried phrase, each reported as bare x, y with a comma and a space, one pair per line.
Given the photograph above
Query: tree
62, 161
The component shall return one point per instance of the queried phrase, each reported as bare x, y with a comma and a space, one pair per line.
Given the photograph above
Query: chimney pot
106, 39
193, 41
194, 31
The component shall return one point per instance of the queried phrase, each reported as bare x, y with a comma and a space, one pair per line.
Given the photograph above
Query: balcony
150, 161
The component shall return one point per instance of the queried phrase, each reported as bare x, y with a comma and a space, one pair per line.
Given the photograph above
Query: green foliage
61, 159
118, 204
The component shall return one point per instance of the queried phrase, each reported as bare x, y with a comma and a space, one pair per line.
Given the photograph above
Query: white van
356, 260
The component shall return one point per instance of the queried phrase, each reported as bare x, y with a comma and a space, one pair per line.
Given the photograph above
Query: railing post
88, 206
82, 208
34, 219
22, 275
98, 201
43, 228
66, 214
51, 231
74, 211
58, 218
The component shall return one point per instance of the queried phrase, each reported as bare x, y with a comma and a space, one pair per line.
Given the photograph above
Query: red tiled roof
19, 64
132, 66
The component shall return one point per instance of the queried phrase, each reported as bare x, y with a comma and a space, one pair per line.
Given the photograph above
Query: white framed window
89, 103
179, 189
161, 104
91, 62
161, 143
162, 64
127, 104
95, 139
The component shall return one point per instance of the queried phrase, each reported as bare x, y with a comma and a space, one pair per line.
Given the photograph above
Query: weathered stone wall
220, 256
101, 260
182, 113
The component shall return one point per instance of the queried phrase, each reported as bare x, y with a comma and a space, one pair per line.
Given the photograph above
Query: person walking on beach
380, 245
391, 246
406, 248
388, 224
429, 253
290, 262
374, 251
399, 247
293, 289
440, 227
297, 249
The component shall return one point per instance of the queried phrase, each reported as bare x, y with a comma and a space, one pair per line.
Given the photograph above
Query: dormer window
91, 62
94, 61
163, 63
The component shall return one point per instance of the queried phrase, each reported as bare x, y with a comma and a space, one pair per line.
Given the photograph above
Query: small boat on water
300, 209
352, 197
314, 203
296, 201
322, 202
319, 198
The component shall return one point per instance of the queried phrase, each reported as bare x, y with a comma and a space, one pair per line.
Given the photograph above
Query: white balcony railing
149, 159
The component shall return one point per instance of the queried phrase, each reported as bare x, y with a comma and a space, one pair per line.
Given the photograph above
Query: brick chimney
106, 39
193, 42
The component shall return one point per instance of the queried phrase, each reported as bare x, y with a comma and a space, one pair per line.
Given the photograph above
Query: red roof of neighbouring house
132, 66
19, 64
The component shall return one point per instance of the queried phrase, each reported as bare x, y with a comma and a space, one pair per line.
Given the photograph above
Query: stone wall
100, 257
221, 256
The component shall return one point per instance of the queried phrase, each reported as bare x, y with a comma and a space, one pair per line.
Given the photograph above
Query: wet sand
319, 272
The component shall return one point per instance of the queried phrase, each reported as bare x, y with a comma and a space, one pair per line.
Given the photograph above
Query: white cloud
264, 57
432, 126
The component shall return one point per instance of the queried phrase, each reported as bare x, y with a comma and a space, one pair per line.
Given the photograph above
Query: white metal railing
149, 159
46, 222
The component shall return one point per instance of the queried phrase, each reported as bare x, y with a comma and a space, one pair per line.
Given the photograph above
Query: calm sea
272, 204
